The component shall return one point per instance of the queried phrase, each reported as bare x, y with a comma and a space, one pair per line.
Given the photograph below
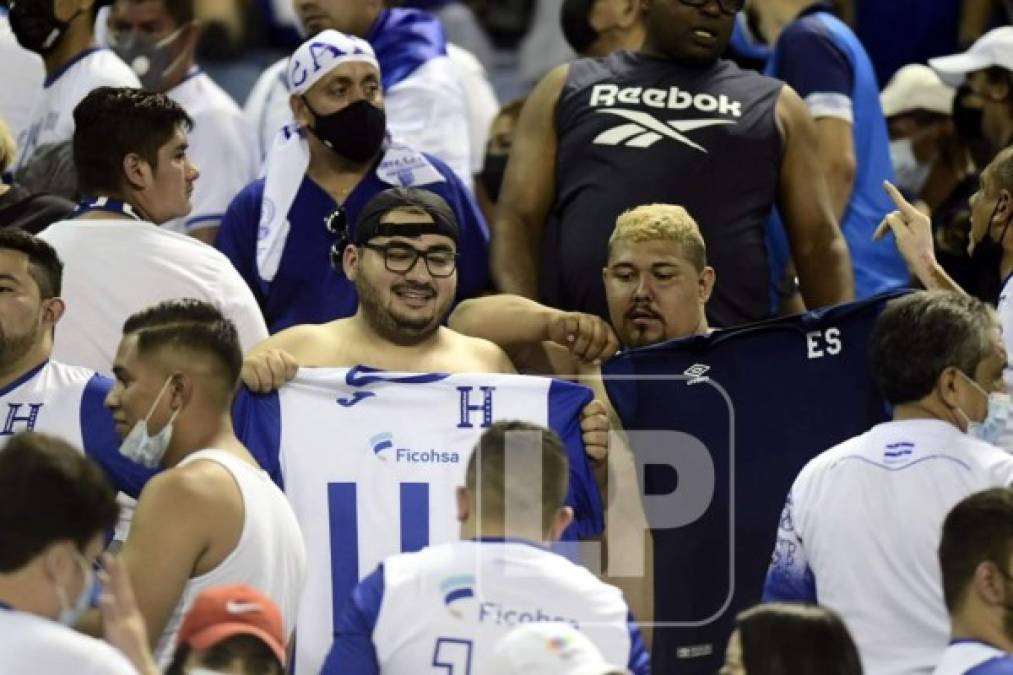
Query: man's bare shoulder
191, 488
476, 354
310, 344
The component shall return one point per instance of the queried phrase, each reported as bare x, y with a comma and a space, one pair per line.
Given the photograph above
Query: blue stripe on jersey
102, 443
414, 516
50, 79
1000, 665
24, 378
353, 650
565, 401
256, 419
362, 376
344, 535
640, 659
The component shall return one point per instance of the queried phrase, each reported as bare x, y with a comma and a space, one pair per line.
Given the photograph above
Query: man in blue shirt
820, 57
278, 232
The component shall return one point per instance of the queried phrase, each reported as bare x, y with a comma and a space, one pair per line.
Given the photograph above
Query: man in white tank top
212, 517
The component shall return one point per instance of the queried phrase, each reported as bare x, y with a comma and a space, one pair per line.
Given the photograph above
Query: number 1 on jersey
453, 655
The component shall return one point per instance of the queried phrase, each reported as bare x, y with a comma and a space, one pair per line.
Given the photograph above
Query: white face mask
147, 450
992, 427
909, 174
70, 614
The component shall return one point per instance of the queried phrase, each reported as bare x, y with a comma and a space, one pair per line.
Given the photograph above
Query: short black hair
978, 529
254, 654
781, 638
49, 492
923, 333
486, 475
191, 324
113, 122
44, 263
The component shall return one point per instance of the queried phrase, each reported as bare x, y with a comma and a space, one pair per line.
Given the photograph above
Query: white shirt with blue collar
972, 657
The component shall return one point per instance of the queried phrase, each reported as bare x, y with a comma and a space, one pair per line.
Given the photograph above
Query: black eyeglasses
727, 6
401, 258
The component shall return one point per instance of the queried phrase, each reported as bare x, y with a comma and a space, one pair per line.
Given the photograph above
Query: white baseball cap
994, 48
548, 648
916, 87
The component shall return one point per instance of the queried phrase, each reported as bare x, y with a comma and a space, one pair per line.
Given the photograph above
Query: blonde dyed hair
664, 222
8, 150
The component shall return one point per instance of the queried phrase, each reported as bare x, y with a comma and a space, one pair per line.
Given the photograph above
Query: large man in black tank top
672, 123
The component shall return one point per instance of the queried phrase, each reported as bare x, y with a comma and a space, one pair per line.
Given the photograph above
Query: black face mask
577, 28
493, 170
967, 120
355, 132
35, 26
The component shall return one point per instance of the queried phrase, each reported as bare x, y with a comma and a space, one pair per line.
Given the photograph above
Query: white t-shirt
860, 533
52, 119
33, 645
970, 657
21, 73
426, 110
482, 103
222, 146
270, 555
114, 268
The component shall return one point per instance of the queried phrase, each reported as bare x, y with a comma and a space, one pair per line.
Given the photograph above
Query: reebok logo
642, 129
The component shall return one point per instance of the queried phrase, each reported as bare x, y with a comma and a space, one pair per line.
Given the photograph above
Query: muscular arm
818, 247
529, 188
837, 156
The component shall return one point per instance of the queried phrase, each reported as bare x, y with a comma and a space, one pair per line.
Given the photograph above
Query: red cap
224, 611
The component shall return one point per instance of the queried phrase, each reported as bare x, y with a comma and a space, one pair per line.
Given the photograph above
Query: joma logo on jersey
26, 417
382, 442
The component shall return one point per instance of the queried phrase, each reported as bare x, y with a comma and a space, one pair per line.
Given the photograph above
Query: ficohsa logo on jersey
461, 601
383, 447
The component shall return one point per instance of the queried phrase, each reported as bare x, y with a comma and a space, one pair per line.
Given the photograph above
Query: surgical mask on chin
150, 59
910, 174
992, 427
70, 614
147, 450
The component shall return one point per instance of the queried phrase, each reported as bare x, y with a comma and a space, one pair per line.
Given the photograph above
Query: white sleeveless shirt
270, 555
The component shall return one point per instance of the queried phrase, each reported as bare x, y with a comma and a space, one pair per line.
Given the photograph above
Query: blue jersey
68, 402
306, 289
751, 406
370, 461
821, 59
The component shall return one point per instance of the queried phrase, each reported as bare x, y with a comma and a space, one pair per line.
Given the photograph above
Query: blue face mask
147, 450
70, 614
992, 427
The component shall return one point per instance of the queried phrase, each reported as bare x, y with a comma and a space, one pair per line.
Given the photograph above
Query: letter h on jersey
13, 417
467, 407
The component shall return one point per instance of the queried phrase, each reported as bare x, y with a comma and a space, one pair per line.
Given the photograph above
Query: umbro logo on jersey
697, 373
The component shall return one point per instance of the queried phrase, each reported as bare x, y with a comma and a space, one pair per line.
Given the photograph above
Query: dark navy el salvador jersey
752, 405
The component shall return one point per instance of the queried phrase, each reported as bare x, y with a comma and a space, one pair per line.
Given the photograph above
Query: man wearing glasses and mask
671, 123
320, 174
157, 39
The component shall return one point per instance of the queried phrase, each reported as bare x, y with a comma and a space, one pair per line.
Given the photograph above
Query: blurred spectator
500, 566
460, 23
875, 503
157, 39
548, 648
497, 151
987, 68
130, 150
597, 137
22, 73
597, 28
821, 59
782, 639
20, 208
62, 33
976, 555
233, 629
918, 109
177, 368
426, 99
55, 509
279, 231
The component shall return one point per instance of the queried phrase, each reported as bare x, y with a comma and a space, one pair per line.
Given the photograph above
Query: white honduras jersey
970, 657
443, 609
270, 555
222, 147
22, 73
34, 645
53, 117
861, 529
68, 402
370, 460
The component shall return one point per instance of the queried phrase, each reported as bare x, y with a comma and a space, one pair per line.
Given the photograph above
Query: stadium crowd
691, 357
